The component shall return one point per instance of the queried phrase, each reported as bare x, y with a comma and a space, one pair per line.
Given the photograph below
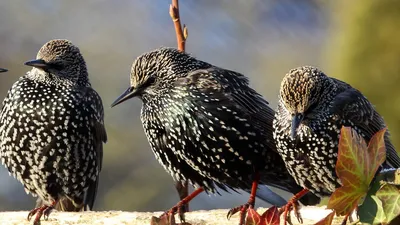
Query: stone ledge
310, 215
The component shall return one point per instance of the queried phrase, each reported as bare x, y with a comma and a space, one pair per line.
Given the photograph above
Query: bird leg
347, 217
183, 191
250, 203
293, 204
42, 210
179, 206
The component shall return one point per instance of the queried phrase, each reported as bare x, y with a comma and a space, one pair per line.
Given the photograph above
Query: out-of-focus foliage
261, 38
365, 52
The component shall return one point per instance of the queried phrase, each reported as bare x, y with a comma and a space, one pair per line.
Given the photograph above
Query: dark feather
352, 105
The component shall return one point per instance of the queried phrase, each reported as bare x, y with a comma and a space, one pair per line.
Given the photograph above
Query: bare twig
181, 35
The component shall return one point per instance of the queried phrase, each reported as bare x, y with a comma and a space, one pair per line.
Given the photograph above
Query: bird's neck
52, 79
328, 93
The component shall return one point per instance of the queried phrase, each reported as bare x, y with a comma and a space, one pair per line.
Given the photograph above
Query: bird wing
94, 107
225, 95
231, 89
233, 86
355, 107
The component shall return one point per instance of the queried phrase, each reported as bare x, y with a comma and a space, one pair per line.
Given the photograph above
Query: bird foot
178, 208
291, 205
47, 211
250, 203
243, 210
44, 211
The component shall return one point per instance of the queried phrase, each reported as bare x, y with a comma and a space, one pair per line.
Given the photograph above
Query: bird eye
149, 81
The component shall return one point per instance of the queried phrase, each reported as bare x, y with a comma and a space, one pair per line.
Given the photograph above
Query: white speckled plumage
52, 129
325, 104
204, 123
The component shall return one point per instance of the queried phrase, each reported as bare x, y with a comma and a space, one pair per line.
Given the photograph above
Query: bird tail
66, 204
289, 184
90, 195
266, 194
307, 199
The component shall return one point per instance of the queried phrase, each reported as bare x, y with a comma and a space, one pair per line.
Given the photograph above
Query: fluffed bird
312, 109
52, 129
207, 126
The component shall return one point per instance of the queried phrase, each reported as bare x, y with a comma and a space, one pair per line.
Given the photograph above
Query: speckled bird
311, 111
206, 125
52, 129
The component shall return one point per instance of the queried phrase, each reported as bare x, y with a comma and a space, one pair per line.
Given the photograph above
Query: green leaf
356, 166
371, 211
390, 197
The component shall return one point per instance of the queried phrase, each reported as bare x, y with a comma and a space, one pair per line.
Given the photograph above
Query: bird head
300, 92
60, 58
156, 71
2, 70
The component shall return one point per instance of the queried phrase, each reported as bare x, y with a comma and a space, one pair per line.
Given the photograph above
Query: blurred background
355, 41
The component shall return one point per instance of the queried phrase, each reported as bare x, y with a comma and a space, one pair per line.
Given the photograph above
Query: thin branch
181, 35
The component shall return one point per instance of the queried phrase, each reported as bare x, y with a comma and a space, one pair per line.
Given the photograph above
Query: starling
311, 111
52, 129
206, 125
2, 70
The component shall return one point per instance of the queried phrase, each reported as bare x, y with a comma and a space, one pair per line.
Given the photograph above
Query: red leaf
253, 218
356, 165
327, 220
271, 216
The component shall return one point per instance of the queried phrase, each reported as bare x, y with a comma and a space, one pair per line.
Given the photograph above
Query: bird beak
296, 121
129, 93
38, 63
2, 70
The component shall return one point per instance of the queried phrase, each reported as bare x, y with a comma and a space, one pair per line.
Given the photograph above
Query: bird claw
47, 212
181, 213
291, 205
232, 212
33, 212
243, 209
176, 209
297, 214
39, 211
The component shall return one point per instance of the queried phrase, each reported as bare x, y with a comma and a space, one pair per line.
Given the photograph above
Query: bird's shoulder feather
351, 105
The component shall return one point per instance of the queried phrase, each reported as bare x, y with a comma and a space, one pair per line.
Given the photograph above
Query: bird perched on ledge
52, 129
2, 70
206, 125
311, 111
